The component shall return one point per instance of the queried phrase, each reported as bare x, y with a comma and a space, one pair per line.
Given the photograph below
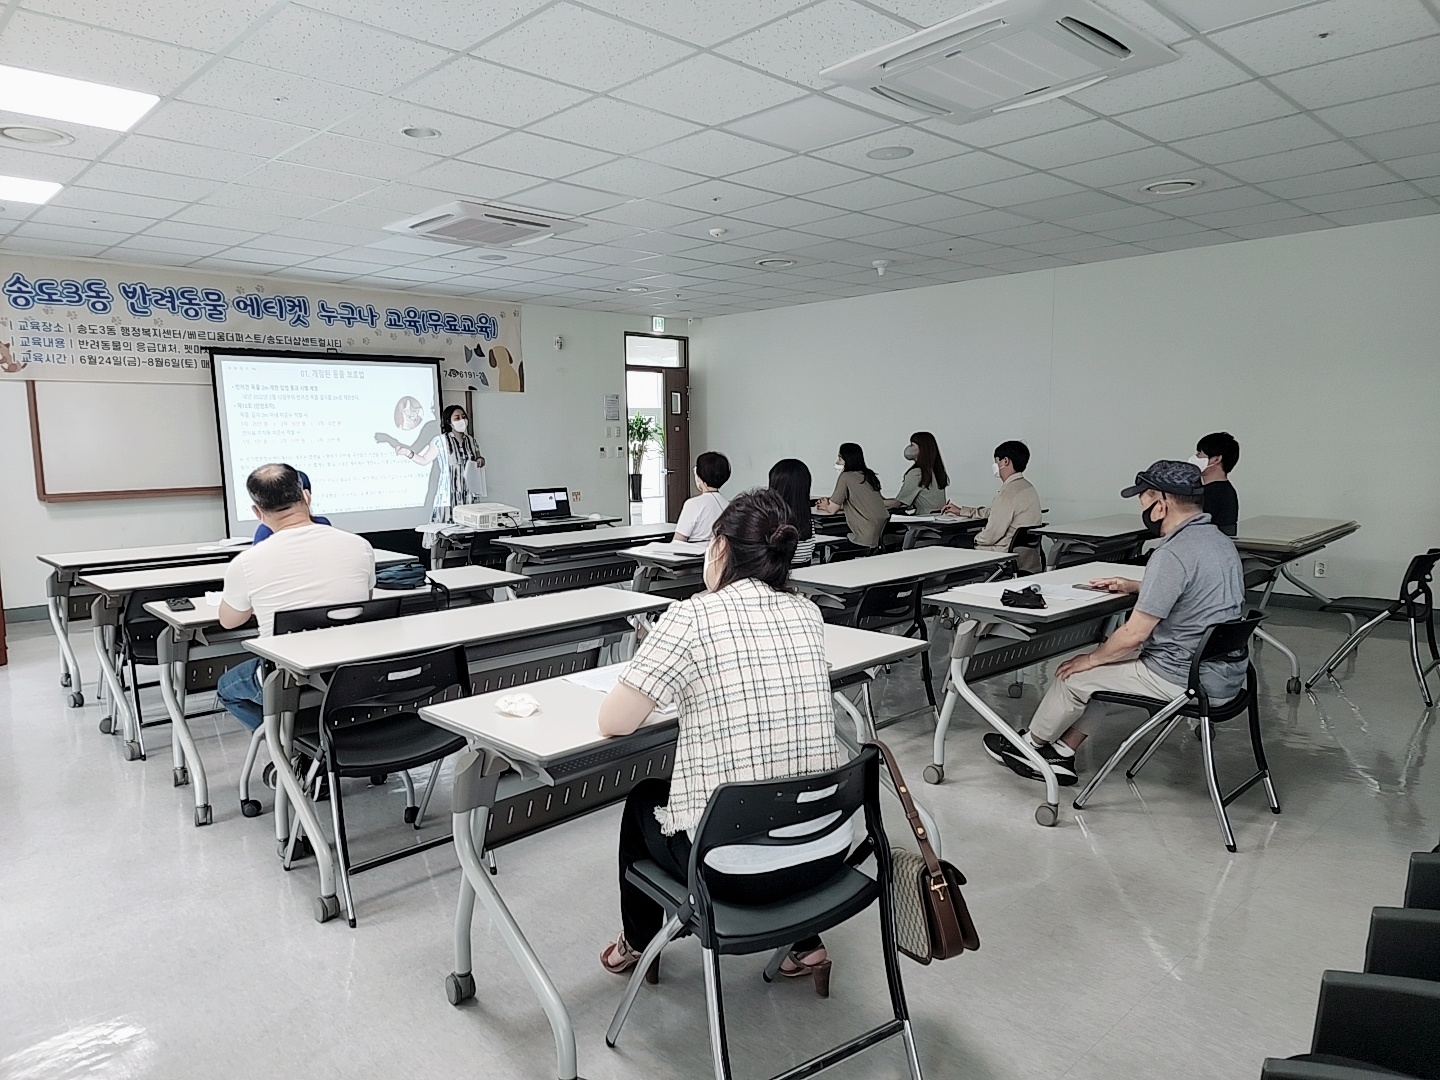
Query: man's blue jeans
240, 693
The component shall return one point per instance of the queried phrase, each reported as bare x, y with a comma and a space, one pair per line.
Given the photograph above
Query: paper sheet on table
671, 547
213, 598
935, 519
604, 680
1055, 595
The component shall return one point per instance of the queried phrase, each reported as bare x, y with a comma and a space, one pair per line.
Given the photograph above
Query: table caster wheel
1047, 815
1293, 686
107, 725
379, 779
411, 813
202, 815
132, 751
77, 699
181, 776
934, 774
1015, 689
65, 680
267, 776
326, 908
250, 807
459, 988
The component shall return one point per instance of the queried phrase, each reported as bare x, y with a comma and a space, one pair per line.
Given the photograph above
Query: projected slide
340, 420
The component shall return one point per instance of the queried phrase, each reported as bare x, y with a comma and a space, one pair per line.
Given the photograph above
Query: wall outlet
604, 452
574, 496
1319, 567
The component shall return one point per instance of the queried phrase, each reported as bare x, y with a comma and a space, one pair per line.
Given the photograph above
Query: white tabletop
467, 578
155, 577
1287, 531
941, 521
985, 599
1100, 528
619, 537
199, 617
853, 575
321, 650
567, 722
450, 529
215, 550
673, 554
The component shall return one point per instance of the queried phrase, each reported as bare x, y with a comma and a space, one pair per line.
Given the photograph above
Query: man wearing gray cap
1192, 581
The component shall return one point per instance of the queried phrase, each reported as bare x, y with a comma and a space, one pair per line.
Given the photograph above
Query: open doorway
657, 403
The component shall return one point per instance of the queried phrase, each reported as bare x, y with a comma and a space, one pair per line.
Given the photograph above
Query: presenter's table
450, 539
553, 758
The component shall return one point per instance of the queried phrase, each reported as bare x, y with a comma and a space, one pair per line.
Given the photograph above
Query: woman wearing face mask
922, 489
704, 655
454, 448
857, 493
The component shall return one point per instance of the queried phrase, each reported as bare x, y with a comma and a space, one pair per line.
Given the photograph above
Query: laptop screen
549, 502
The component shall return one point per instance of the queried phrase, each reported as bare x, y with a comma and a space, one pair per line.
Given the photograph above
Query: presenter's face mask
460, 424
912, 452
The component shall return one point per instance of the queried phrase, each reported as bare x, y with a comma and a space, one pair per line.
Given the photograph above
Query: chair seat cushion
402, 741
747, 928
1369, 606
1218, 713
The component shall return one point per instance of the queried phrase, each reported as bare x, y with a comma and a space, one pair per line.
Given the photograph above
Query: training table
853, 576
521, 775
1113, 538
447, 538
575, 559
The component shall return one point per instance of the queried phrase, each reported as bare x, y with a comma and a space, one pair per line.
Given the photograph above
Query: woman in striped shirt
790, 479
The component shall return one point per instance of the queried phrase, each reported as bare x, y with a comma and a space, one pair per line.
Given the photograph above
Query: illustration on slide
409, 415
8, 364
495, 372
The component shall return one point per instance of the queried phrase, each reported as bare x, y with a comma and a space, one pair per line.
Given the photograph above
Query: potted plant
644, 432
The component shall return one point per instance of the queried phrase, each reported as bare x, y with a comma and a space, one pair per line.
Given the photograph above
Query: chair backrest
888, 605
323, 616
1226, 641
1416, 596
360, 693
138, 626
1026, 537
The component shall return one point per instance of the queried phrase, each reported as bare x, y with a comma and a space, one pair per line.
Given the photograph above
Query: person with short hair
790, 479
1216, 456
302, 564
922, 488
1016, 506
262, 530
1192, 581
699, 514
857, 493
744, 664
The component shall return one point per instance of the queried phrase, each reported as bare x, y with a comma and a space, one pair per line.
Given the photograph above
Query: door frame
684, 366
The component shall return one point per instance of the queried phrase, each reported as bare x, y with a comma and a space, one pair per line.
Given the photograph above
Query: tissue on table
517, 705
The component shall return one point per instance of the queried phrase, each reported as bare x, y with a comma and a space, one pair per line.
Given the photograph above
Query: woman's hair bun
782, 534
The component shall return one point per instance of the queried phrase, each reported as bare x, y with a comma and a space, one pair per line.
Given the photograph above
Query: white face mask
1200, 461
711, 573
912, 453
459, 425
839, 466
995, 469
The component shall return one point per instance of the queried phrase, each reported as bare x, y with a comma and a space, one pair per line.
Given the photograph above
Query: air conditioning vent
1004, 55
478, 225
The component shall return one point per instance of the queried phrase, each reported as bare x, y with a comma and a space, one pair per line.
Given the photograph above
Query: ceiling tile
474, 87
385, 121
535, 155
162, 20
1212, 202
1406, 142
1067, 206
1207, 180
358, 157
333, 50
1275, 210
1333, 155
797, 175
1127, 168
304, 180
809, 123
151, 243
274, 95
703, 24
902, 238
1070, 146
646, 214
871, 193
1010, 126
199, 125
37, 165
986, 221
1199, 69
1205, 113
708, 90
118, 202
453, 25
1267, 137
928, 209
714, 153
635, 178
924, 148
172, 157
1067, 244
1321, 32
1189, 240
1029, 235
1287, 227
1021, 189
81, 219
228, 217
559, 198
845, 226
585, 48
38, 246
968, 170
39, 230
205, 234
1110, 220
1215, 14
1386, 113
1414, 168
1388, 212
613, 126
1322, 183
718, 197
471, 180
799, 46
1385, 71
263, 203
61, 47
1400, 191
144, 182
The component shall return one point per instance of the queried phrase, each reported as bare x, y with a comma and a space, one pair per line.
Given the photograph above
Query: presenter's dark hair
274, 488
853, 458
1016, 451
713, 468
1223, 445
759, 539
928, 461
790, 479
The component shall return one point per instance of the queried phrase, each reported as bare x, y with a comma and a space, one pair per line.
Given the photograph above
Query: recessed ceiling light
420, 132
774, 264
35, 136
56, 97
19, 189
631, 288
1171, 187
890, 153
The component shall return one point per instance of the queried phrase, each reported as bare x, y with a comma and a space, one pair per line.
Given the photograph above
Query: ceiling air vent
476, 225
1004, 55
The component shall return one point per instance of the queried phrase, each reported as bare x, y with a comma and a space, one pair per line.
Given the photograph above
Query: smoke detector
1003, 55
478, 225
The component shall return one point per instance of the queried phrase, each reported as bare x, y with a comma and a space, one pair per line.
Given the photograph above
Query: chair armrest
1404, 942
1300, 1069
1384, 1020
1422, 889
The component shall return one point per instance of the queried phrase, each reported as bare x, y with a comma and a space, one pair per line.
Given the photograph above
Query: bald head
275, 488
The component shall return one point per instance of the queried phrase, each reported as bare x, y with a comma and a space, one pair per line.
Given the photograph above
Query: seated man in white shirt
698, 515
301, 565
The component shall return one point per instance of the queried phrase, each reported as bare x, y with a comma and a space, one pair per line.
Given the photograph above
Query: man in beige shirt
1016, 506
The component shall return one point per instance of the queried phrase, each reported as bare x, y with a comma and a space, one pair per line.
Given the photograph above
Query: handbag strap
912, 815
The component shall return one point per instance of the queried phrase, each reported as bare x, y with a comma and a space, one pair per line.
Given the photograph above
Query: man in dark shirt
1216, 456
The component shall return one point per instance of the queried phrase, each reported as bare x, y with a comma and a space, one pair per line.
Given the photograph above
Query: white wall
1318, 351
551, 434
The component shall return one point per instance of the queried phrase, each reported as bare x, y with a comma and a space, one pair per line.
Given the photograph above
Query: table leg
1292, 685
474, 793
58, 603
640, 580
281, 699
102, 632
1301, 584
188, 768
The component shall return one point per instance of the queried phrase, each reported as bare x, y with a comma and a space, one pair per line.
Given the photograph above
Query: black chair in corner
887, 607
139, 646
1405, 942
1422, 886
370, 724
752, 813
1415, 605
1223, 641
291, 622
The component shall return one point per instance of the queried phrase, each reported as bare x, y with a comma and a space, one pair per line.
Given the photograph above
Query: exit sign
657, 324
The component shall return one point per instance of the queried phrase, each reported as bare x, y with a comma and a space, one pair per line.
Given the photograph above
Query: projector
490, 515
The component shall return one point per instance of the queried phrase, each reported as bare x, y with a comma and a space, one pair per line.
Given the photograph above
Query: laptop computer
547, 504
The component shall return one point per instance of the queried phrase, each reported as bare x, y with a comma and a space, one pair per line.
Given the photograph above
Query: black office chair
1404, 941
139, 647
1223, 641
1025, 538
750, 813
370, 723
886, 607
1415, 605
311, 618
1422, 887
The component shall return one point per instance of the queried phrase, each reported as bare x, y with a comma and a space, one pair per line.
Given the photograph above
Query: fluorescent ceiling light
19, 189
56, 97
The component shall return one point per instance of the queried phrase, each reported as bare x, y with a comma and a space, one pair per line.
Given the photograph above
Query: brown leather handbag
931, 919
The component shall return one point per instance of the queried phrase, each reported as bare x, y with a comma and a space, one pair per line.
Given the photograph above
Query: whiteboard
98, 440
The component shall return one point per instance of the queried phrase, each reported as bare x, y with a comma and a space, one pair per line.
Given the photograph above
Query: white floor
1125, 943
